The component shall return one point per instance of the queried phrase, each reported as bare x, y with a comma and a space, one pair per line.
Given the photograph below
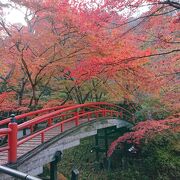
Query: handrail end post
12, 140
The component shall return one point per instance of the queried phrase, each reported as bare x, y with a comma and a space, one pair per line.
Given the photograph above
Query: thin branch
145, 56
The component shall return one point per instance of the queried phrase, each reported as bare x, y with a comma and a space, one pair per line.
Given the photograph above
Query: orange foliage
147, 130
91, 39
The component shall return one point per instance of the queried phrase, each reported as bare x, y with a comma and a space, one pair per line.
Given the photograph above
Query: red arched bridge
25, 132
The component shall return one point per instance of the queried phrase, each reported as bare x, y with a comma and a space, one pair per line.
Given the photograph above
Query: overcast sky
17, 15
14, 15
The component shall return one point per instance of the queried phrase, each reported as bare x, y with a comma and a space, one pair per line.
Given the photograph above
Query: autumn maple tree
143, 132
76, 46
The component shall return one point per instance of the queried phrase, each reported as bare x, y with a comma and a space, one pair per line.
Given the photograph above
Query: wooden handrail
45, 117
18, 117
54, 126
60, 111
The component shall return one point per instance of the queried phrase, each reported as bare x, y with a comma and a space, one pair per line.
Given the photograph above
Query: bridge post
97, 145
50, 122
62, 127
24, 130
53, 165
104, 112
12, 140
74, 174
62, 117
77, 119
31, 129
121, 114
88, 116
97, 114
117, 114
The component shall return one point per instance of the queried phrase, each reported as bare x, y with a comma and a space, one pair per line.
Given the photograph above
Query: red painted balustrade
52, 118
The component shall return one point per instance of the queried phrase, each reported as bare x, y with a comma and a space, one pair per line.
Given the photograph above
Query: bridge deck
33, 143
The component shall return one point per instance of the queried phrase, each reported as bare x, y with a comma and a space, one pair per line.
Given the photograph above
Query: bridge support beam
53, 165
53, 170
97, 145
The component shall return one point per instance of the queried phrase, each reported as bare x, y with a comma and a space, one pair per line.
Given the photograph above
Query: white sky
13, 15
17, 15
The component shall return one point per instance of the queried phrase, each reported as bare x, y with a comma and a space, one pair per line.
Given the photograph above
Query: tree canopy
89, 50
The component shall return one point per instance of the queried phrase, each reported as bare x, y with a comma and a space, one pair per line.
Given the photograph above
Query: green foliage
161, 157
152, 108
79, 157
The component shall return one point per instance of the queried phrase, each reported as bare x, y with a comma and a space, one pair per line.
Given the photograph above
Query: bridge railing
62, 113
4, 132
32, 114
25, 117
56, 119
75, 119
